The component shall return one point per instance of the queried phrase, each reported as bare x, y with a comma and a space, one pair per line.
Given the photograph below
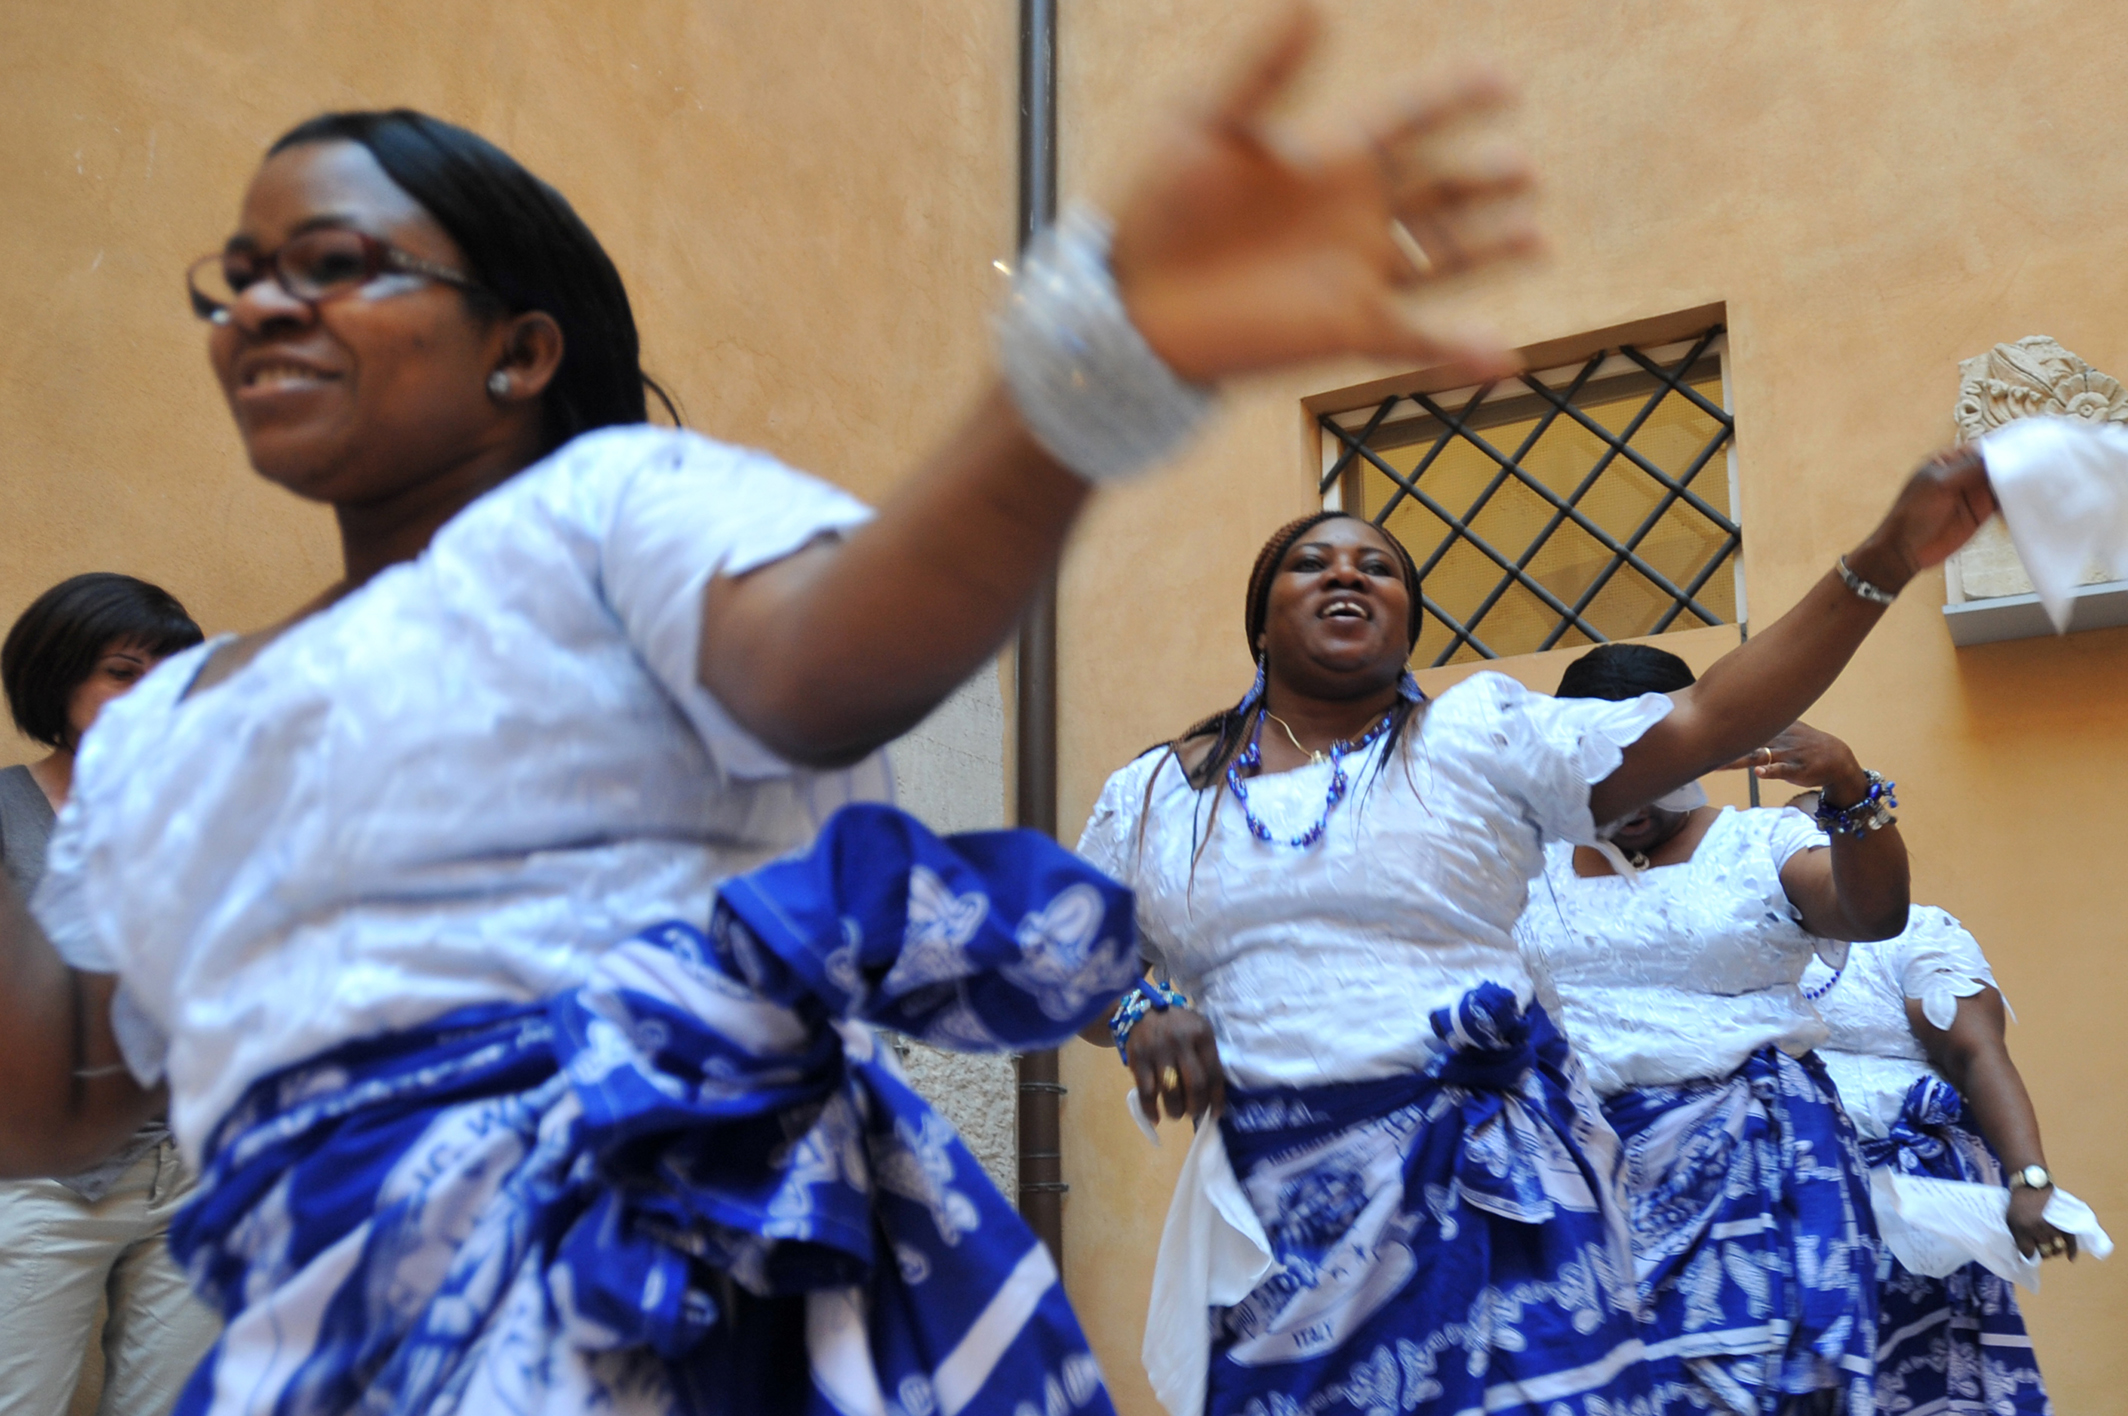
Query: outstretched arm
1239, 249
66, 1099
1762, 686
1974, 1057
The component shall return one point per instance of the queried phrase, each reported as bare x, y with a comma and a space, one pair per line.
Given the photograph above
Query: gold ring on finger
1169, 1079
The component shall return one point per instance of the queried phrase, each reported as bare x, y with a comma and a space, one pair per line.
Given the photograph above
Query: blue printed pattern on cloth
1955, 1344
697, 1182
1754, 1242
1445, 1242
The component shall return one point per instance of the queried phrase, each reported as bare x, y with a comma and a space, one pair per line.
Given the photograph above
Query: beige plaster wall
1876, 191
804, 198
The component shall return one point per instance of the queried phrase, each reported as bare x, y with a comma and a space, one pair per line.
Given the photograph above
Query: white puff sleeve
688, 509
1545, 753
1112, 841
1939, 963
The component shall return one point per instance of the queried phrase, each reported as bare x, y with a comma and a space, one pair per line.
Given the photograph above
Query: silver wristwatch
2031, 1177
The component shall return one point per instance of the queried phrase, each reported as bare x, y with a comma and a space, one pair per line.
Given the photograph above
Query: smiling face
1337, 614
354, 400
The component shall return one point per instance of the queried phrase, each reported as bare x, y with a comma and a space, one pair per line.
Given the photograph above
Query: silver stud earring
498, 385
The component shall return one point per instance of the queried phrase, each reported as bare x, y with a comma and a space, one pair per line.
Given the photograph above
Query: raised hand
1241, 247
1801, 755
1942, 504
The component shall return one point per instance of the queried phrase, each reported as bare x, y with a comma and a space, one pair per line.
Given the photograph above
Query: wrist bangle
1872, 813
1088, 386
1875, 594
1145, 997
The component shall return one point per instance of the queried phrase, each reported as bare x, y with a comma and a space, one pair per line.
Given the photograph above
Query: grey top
25, 825
26, 820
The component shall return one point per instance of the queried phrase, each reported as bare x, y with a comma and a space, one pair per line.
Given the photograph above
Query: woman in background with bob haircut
99, 1233
518, 1081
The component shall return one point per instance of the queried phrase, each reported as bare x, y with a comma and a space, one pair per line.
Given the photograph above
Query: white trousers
60, 1256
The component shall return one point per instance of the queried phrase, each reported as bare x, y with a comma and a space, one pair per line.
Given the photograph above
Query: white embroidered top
459, 785
1322, 965
1682, 971
1871, 1050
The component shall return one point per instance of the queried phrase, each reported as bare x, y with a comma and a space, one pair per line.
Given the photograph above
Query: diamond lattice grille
1564, 508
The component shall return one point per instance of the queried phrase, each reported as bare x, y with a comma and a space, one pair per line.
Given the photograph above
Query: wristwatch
2032, 1177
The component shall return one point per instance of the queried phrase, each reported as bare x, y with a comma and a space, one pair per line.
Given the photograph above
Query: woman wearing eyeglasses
379, 893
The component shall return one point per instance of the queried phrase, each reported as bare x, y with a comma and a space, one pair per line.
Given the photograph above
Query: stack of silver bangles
1088, 386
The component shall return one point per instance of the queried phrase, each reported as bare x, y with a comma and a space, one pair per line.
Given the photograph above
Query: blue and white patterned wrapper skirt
695, 1183
1754, 1240
1445, 1242
1955, 1344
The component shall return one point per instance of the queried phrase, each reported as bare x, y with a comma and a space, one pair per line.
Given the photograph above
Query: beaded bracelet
1872, 813
1146, 997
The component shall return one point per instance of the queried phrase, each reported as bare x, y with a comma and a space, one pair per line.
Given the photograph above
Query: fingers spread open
1462, 92
1269, 68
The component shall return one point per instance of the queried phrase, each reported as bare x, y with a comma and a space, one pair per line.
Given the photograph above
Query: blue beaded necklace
1814, 994
1252, 757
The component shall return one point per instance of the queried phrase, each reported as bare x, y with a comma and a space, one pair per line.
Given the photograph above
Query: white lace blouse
1871, 1050
1682, 971
459, 785
1322, 965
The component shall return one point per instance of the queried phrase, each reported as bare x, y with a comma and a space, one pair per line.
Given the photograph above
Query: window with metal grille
1564, 507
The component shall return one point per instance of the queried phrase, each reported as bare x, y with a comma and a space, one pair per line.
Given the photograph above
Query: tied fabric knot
1510, 1156
1489, 1040
988, 941
1917, 1142
703, 1151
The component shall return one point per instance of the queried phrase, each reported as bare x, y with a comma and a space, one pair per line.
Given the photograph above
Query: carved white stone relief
2033, 377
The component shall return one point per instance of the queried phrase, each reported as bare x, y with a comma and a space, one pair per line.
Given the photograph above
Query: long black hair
524, 243
53, 648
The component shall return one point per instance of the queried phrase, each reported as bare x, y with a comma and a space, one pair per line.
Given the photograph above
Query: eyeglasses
317, 266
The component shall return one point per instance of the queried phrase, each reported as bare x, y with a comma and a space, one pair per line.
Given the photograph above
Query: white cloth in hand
2062, 485
1936, 1227
1213, 1253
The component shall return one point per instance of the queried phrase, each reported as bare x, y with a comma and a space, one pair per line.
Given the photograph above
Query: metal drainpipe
1035, 671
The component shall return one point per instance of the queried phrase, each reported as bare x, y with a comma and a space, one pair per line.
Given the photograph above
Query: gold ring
1766, 756
1169, 1079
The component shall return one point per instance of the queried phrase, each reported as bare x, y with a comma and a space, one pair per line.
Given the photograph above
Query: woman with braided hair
1409, 1198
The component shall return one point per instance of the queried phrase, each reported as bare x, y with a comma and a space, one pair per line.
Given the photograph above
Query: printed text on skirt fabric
695, 1183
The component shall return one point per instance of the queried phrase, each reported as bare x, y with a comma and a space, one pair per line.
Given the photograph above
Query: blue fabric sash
1955, 1344
1447, 1241
696, 1182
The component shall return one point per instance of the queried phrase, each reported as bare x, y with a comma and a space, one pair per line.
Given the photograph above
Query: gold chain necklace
1313, 756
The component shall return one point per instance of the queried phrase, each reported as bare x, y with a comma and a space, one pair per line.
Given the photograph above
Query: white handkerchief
2063, 488
1213, 1253
1936, 1227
